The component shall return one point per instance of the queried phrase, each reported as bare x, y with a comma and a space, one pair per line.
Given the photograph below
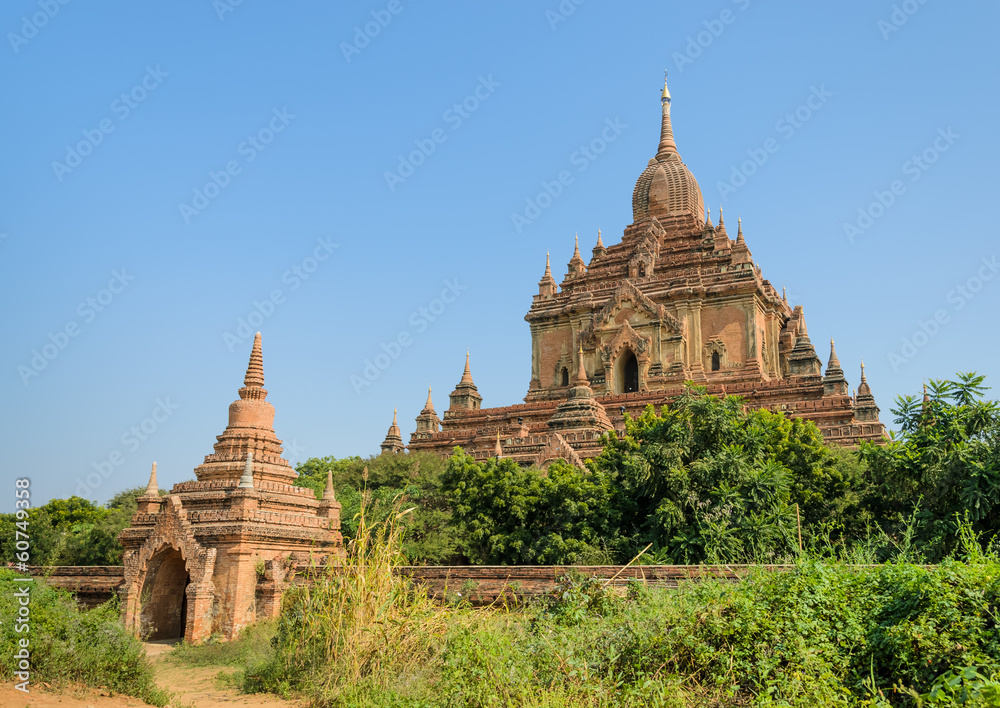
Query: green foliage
512, 515
943, 466
69, 645
356, 627
73, 531
429, 536
704, 480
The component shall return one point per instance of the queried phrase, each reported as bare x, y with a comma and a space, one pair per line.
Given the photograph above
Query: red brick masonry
482, 584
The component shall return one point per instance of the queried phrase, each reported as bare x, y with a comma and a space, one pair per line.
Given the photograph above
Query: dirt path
192, 685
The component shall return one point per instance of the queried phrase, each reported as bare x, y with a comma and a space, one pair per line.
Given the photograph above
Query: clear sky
170, 169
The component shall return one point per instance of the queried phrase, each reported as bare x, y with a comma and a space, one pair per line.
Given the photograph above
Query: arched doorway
627, 373
163, 597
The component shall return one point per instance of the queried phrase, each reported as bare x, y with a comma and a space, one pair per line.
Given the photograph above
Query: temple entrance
163, 597
627, 374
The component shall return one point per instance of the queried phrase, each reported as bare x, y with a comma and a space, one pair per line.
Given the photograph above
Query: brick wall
482, 584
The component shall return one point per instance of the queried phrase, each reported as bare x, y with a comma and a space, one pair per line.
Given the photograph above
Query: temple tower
676, 300
212, 556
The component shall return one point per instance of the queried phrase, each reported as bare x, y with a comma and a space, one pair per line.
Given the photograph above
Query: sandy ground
192, 686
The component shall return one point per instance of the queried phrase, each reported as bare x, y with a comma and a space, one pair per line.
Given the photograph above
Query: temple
213, 555
676, 300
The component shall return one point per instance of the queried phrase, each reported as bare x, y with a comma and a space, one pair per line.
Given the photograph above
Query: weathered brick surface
480, 584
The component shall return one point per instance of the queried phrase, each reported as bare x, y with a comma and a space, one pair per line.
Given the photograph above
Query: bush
69, 645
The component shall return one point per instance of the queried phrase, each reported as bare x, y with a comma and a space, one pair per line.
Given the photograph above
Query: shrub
69, 645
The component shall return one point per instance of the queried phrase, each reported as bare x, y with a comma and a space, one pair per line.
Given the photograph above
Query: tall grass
359, 624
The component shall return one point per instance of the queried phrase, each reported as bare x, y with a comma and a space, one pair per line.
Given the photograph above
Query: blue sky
120, 115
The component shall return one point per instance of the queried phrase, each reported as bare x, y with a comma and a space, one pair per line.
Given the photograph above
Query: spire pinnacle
548, 268
429, 406
708, 219
784, 295
739, 231
467, 374
255, 369
246, 481
253, 381
152, 489
581, 372
328, 493
722, 221
576, 247
600, 243
834, 361
498, 450
667, 145
862, 369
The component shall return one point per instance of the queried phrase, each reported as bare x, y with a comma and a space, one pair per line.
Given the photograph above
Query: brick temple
678, 299
215, 554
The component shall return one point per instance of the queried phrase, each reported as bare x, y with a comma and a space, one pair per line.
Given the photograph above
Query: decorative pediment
627, 292
630, 339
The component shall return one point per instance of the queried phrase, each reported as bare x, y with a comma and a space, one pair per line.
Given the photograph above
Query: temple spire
152, 489
600, 243
834, 382
722, 222
708, 219
547, 285
253, 381
328, 493
246, 481
739, 231
865, 408
428, 421
576, 264
498, 450
393, 442
834, 361
581, 373
465, 396
467, 374
667, 145
254, 377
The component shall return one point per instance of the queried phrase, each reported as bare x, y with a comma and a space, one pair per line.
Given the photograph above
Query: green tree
429, 536
512, 515
943, 466
73, 531
705, 480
